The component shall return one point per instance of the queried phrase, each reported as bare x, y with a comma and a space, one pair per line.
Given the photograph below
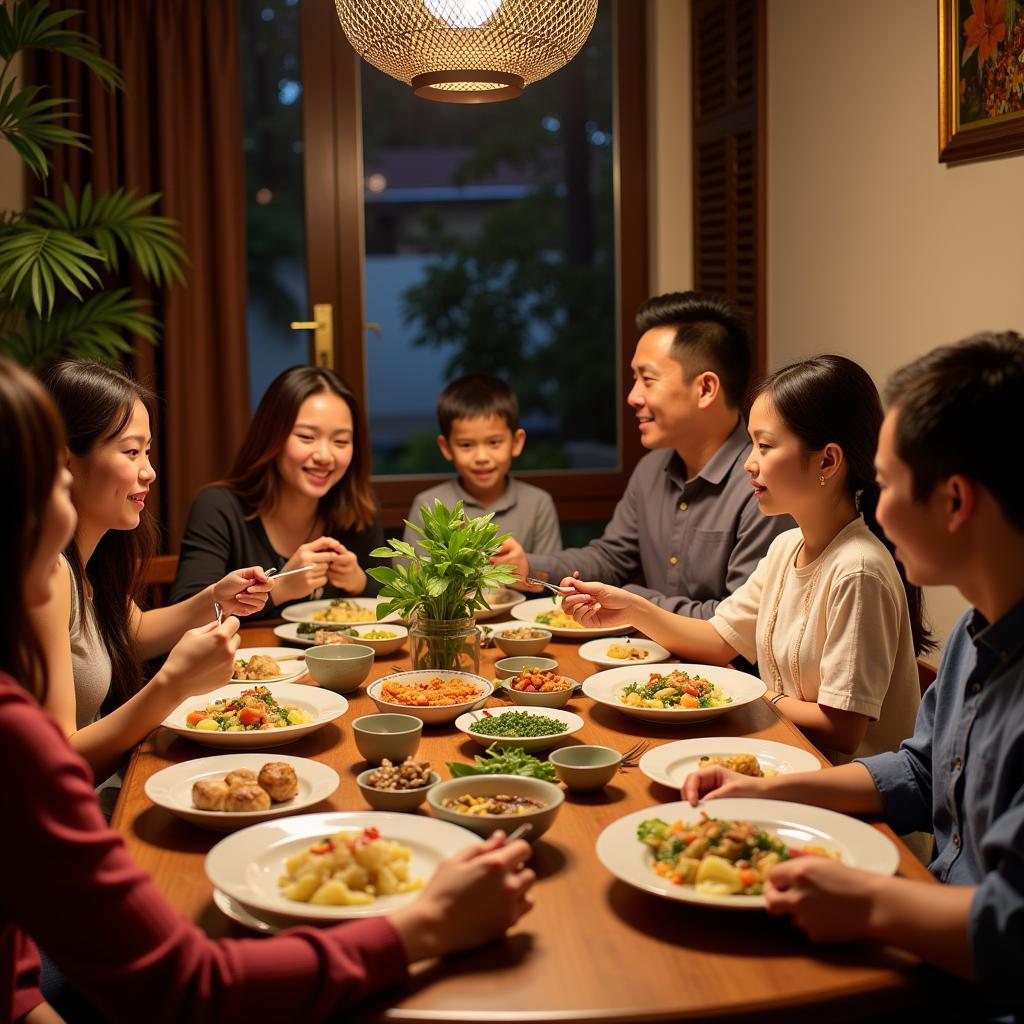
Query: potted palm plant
60, 256
439, 585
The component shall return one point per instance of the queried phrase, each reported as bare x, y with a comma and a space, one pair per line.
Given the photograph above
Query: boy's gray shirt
523, 510
694, 541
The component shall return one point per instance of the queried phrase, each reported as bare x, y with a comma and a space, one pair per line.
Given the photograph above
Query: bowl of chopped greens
485, 803
526, 728
673, 694
499, 760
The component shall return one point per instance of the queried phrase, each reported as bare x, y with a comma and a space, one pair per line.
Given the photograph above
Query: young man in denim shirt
954, 506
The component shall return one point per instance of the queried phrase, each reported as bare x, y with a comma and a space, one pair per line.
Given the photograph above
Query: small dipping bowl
393, 799
395, 737
340, 667
552, 699
531, 646
585, 768
506, 668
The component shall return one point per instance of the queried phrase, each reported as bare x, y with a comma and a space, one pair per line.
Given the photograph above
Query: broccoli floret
652, 831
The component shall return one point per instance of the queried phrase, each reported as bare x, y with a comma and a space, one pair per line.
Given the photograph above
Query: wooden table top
593, 948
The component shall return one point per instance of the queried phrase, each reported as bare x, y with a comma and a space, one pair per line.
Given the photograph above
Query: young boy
480, 434
953, 504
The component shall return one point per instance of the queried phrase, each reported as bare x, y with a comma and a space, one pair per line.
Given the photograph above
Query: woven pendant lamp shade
467, 51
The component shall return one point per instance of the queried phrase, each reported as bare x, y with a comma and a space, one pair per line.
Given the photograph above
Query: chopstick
274, 574
518, 833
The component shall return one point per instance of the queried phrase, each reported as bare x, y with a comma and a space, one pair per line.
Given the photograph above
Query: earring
821, 480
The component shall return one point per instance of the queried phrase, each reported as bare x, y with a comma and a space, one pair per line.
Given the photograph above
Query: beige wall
875, 249
12, 183
669, 146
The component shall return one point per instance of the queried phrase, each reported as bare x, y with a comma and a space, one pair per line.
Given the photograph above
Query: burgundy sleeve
71, 885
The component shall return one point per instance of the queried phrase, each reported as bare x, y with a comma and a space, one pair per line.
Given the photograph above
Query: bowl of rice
435, 696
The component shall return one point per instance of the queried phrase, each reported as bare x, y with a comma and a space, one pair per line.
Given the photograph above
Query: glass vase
445, 644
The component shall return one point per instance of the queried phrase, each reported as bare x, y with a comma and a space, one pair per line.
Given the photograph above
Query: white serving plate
572, 721
293, 669
858, 845
595, 651
304, 611
529, 610
322, 705
504, 600
290, 631
670, 763
246, 864
171, 788
605, 687
233, 909
435, 715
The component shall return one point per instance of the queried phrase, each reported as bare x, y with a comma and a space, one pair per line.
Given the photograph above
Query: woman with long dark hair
827, 614
298, 494
68, 873
94, 634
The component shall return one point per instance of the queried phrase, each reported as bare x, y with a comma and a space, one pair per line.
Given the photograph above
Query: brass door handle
323, 336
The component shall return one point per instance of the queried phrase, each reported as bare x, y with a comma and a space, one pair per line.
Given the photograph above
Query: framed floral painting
981, 78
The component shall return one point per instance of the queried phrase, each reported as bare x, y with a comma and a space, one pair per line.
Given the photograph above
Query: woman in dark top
298, 494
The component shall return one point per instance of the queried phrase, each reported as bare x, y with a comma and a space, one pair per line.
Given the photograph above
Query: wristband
777, 698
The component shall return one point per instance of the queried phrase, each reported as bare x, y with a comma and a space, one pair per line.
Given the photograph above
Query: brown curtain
176, 129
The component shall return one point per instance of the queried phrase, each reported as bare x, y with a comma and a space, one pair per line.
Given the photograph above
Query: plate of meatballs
232, 791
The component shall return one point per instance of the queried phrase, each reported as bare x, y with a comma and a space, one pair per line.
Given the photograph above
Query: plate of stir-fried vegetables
723, 852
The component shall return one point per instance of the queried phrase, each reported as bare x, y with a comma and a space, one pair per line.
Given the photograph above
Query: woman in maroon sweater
71, 885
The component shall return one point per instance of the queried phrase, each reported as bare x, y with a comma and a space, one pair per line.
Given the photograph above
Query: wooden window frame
335, 236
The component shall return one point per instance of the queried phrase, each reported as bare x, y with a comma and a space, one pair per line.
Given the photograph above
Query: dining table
592, 949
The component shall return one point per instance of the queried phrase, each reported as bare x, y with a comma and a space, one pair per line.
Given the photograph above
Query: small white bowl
551, 699
573, 724
585, 768
513, 647
339, 667
386, 646
402, 800
546, 793
435, 715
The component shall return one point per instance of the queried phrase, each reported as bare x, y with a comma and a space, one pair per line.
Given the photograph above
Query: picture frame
981, 78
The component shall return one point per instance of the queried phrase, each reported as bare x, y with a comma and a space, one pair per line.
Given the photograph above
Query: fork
218, 611
632, 756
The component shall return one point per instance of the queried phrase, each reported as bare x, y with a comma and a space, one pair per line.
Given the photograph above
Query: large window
506, 238
489, 246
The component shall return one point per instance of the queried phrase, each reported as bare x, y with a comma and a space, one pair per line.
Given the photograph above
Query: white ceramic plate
573, 725
858, 845
233, 909
670, 763
529, 610
171, 788
500, 601
246, 865
596, 652
285, 655
305, 610
605, 687
321, 705
440, 714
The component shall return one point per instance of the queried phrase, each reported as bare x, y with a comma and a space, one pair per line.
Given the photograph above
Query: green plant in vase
439, 585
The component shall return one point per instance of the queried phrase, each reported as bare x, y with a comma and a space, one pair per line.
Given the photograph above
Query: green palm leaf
32, 256
94, 329
31, 126
26, 26
119, 218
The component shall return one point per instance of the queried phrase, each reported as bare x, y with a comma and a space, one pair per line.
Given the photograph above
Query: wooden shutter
729, 156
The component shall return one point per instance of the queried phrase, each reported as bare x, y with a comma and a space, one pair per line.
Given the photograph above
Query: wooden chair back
159, 576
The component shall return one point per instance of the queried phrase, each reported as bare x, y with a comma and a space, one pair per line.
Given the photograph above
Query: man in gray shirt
688, 521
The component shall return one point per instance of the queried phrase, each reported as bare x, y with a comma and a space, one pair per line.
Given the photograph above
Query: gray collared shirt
523, 510
962, 775
695, 541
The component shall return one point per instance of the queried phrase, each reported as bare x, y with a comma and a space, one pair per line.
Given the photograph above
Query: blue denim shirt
962, 775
